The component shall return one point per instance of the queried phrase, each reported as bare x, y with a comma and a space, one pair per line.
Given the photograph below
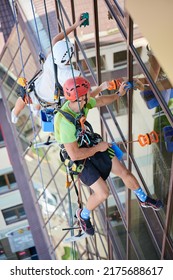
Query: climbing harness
85, 138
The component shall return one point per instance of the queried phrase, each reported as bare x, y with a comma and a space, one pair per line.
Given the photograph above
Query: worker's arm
76, 153
68, 30
108, 99
100, 88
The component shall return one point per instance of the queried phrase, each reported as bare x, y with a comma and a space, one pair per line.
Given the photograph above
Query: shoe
152, 203
85, 224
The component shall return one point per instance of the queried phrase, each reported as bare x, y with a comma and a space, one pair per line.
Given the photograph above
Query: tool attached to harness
73, 167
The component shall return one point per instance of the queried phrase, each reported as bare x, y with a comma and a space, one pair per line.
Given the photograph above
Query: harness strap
76, 190
42, 102
58, 90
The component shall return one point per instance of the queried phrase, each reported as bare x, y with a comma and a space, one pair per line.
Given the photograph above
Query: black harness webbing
42, 102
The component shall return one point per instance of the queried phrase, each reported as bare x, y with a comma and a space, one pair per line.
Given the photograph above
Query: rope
42, 57
67, 39
18, 35
57, 93
36, 27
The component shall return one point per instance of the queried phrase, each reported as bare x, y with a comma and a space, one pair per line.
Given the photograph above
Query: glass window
11, 178
14, 214
92, 61
2, 181
7, 182
120, 58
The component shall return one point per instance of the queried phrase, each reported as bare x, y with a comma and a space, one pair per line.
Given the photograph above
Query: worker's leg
121, 171
131, 182
19, 106
100, 193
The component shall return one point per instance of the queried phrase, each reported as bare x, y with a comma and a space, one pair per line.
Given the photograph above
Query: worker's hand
27, 99
79, 21
102, 146
123, 89
138, 84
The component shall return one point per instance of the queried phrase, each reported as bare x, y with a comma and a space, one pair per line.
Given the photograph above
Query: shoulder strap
75, 121
68, 116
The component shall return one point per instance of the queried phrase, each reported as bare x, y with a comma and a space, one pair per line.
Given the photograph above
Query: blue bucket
47, 120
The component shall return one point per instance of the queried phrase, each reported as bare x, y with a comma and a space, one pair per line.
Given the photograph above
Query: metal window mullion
130, 106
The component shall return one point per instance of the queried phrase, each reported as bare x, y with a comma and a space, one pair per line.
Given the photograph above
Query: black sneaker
85, 224
152, 203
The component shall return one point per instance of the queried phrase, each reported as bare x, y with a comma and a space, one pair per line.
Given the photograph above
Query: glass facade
111, 47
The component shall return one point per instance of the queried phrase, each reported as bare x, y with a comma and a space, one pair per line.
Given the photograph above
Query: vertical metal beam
75, 32
97, 47
130, 105
57, 15
97, 43
39, 233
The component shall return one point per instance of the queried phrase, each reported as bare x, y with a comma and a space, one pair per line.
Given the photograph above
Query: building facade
112, 46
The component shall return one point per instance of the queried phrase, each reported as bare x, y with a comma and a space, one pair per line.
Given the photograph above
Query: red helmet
74, 88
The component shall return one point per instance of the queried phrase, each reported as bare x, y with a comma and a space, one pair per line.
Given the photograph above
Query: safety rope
81, 113
57, 90
14, 5
67, 39
41, 55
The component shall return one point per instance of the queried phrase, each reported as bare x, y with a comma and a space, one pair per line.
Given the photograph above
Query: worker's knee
103, 194
100, 189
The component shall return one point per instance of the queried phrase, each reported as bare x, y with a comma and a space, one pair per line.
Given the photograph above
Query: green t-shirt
65, 131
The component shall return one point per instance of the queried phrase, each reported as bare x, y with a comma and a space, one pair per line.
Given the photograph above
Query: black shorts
97, 166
